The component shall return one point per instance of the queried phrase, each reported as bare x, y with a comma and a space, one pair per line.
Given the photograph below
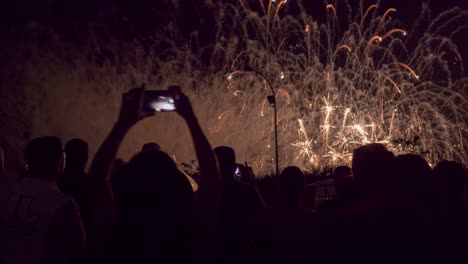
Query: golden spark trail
302, 128
309, 103
279, 7
382, 110
243, 5
263, 107
229, 78
236, 92
367, 12
280, 45
396, 30
222, 114
263, 7
394, 83
388, 12
269, 7
418, 121
347, 110
343, 47
374, 38
461, 138
409, 69
390, 130
220, 117
285, 94
236, 58
330, 6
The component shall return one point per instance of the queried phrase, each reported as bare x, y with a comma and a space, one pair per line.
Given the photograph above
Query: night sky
147, 15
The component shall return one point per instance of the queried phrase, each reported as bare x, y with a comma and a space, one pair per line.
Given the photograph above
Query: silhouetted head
76, 151
413, 175
156, 179
451, 177
44, 156
151, 146
226, 160
372, 167
342, 177
341, 172
292, 183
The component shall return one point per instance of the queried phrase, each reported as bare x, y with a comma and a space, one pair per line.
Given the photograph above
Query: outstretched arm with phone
101, 202
210, 181
207, 199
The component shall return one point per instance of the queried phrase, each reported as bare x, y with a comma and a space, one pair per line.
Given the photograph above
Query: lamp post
272, 102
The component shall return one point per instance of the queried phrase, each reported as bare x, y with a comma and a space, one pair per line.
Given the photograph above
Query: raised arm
207, 199
129, 115
101, 201
210, 180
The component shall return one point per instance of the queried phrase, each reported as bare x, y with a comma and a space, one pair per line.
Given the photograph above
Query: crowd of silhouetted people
386, 208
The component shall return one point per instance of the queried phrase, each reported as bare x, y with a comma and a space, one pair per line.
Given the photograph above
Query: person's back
451, 177
385, 222
385, 227
73, 180
241, 204
38, 223
154, 210
298, 234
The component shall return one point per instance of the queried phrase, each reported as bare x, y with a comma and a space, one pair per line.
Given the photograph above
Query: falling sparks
375, 39
367, 12
393, 83
390, 10
396, 30
409, 69
332, 8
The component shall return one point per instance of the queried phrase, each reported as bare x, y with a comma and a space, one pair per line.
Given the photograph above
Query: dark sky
145, 13
20, 10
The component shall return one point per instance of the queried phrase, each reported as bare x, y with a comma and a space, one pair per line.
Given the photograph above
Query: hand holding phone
182, 103
130, 109
158, 101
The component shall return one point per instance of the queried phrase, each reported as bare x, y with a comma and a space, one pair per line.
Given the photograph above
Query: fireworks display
341, 83
339, 90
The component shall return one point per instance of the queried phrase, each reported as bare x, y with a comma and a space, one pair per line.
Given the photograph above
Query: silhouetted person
241, 204
73, 180
372, 167
414, 176
298, 234
343, 182
451, 177
38, 223
155, 190
154, 209
384, 223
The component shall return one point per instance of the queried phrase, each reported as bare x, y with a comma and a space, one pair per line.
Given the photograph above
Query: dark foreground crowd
387, 208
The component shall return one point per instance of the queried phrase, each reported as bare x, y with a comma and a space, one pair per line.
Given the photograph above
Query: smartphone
158, 101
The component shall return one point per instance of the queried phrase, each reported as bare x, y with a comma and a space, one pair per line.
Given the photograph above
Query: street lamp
272, 101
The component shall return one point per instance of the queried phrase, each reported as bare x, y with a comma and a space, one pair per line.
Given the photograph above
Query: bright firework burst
342, 90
